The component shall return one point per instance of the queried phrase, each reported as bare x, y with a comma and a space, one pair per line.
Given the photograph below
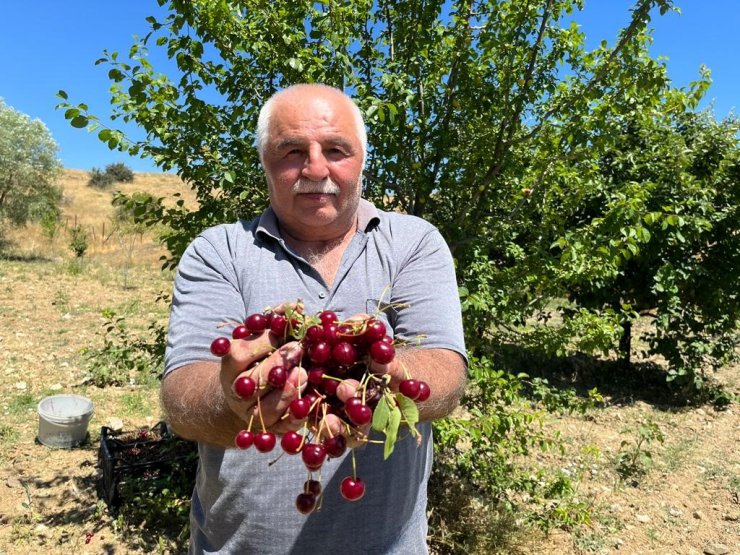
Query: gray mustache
325, 187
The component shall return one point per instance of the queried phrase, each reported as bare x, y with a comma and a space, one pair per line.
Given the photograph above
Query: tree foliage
489, 118
28, 169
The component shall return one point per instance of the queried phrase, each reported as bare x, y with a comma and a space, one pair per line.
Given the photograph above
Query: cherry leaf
381, 415
409, 410
391, 432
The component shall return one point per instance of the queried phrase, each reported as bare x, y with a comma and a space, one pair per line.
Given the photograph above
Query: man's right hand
268, 407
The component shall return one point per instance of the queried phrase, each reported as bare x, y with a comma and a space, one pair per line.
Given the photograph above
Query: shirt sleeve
206, 301
426, 293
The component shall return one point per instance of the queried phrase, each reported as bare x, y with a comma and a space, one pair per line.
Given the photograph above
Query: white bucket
63, 420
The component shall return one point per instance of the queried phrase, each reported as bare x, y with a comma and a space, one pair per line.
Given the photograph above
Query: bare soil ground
687, 501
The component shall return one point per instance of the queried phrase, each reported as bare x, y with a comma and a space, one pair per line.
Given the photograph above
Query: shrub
78, 242
119, 172
124, 357
100, 179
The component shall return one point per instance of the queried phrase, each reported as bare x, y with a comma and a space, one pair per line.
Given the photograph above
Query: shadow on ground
619, 383
152, 515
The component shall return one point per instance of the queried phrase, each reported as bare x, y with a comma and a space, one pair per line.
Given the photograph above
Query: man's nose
316, 166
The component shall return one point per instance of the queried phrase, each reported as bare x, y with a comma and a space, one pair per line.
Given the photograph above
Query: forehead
297, 119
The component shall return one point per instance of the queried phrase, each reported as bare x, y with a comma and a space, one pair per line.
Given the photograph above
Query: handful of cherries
333, 351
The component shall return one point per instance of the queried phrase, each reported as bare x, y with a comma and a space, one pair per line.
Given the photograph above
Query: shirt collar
367, 218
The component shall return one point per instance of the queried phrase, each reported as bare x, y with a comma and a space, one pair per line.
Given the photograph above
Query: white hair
263, 120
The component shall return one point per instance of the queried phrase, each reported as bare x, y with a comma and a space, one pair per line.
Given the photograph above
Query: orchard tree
28, 169
656, 232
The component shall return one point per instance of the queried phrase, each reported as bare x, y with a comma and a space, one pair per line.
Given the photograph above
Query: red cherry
256, 323
244, 439
381, 352
424, 392
328, 317
313, 401
240, 332
278, 325
277, 377
344, 353
335, 446
314, 334
352, 488
265, 442
220, 346
299, 408
312, 486
315, 375
319, 353
387, 339
331, 334
410, 388
291, 442
329, 386
244, 387
374, 331
305, 503
352, 401
359, 414
313, 455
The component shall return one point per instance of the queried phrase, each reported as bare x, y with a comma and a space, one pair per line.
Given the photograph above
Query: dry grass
91, 208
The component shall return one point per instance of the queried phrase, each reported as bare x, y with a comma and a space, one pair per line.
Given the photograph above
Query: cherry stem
259, 412
354, 465
406, 372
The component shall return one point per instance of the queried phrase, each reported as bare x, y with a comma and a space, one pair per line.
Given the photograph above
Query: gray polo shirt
244, 504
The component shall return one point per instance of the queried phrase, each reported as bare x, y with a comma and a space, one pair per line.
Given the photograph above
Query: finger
332, 425
393, 369
286, 356
270, 408
347, 389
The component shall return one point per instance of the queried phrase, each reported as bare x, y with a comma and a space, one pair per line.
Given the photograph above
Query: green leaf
391, 432
296, 64
381, 415
62, 94
79, 122
409, 410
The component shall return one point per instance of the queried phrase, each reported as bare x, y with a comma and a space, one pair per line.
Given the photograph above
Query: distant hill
89, 206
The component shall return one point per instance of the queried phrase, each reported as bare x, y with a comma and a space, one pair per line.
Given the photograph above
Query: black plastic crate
142, 460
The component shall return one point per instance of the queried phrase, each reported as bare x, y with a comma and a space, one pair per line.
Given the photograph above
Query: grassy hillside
91, 208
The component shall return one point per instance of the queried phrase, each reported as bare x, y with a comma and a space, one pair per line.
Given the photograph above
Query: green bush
100, 179
78, 242
124, 358
120, 172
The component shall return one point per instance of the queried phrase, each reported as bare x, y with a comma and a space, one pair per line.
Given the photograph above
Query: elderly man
322, 243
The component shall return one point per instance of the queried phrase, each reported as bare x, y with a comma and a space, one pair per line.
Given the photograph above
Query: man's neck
325, 254
329, 242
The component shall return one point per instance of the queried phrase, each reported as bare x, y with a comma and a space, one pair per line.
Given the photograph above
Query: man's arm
196, 406
443, 370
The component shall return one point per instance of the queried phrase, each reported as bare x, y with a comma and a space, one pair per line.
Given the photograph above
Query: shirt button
322, 295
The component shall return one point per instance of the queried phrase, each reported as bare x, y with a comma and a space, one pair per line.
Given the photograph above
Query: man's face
312, 143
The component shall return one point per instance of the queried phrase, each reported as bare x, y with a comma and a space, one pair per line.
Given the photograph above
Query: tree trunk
625, 344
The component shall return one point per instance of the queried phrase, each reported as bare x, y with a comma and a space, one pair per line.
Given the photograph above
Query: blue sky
47, 45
